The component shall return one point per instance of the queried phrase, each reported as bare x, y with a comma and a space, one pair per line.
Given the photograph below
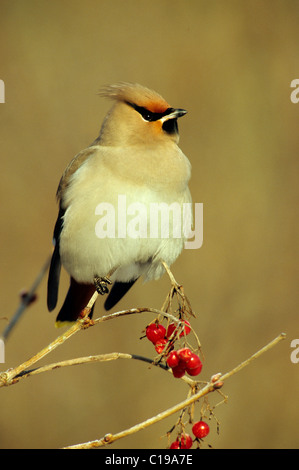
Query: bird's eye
147, 115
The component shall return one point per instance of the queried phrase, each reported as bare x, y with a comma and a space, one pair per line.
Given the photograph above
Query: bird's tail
76, 300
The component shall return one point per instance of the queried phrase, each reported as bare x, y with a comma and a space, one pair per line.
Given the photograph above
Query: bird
135, 156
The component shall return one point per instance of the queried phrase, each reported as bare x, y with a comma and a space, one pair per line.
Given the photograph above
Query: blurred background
230, 64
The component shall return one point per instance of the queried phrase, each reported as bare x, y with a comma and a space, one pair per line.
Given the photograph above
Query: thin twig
85, 360
25, 301
254, 356
134, 311
97, 358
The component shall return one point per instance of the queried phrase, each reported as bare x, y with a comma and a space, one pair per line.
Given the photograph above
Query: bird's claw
101, 284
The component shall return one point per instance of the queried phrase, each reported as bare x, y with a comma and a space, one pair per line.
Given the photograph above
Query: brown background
230, 64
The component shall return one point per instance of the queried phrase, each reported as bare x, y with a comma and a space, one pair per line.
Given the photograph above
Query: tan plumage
136, 155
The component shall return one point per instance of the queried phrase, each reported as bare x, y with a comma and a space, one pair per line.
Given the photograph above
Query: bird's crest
136, 94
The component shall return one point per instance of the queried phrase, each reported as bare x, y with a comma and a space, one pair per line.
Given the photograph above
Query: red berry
184, 441
186, 329
200, 429
184, 354
155, 332
178, 371
173, 326
193, 362
193, 365
175, 445
173, 359
194, 372
160, 345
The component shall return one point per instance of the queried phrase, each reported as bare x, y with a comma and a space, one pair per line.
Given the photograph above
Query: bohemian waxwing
134, 165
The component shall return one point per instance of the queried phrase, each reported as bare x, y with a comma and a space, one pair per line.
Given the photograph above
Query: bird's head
139, 116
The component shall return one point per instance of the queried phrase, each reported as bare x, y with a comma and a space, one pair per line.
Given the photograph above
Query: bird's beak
174, 114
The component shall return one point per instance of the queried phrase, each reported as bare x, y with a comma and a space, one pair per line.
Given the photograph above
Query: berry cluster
184, 441
180, 361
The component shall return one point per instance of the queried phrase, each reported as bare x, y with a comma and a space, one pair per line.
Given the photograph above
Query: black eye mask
149, 115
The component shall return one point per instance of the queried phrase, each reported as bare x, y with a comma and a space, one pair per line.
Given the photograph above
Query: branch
92, 359
11, 376
7, 378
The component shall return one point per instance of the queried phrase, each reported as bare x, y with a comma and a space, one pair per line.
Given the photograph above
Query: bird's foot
101, 284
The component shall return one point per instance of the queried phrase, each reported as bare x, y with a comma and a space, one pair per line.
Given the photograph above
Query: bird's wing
72, 167
55, 266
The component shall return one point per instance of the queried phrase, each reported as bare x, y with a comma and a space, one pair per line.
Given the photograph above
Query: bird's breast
115, 206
